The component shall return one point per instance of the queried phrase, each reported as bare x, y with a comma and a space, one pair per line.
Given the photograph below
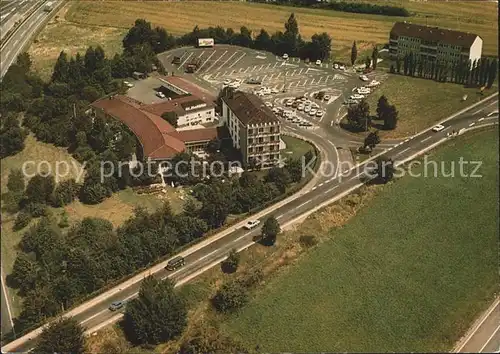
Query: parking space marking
227, 60
216, 61
237, 60
211, 55
184, 62
279, 74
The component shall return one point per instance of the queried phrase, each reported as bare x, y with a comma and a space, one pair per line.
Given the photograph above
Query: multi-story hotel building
434, 43
253, 127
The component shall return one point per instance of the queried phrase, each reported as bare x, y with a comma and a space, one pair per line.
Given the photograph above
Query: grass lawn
421, 102
409, 273
295, 148
344, 28
59, 35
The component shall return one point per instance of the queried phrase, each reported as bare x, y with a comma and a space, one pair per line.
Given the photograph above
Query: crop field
421, 102
408, 274
181, 17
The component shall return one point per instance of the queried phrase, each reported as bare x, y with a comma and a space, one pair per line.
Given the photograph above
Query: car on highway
319, 113
312, 112
116, 305
175, 263
128, 84
160, 94
285, 56
364, 78
251, 224
438, 128
300, 107
327, 98
356, 96
318, 62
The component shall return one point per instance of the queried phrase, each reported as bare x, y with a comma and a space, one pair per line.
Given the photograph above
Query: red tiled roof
195, 135
433, 34
154, 133
195, 90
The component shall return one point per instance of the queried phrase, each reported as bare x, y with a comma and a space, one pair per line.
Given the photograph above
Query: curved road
94, 314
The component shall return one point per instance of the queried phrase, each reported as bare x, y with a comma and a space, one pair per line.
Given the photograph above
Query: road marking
224, 63
319, 185
399, 153
184, 62
470, 125
216, 61
489, 339
237, 60
424, 139
479, 110
301, 205
481, 119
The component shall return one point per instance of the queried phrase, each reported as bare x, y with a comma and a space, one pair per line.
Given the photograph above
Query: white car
314, 105
300, 107
275, 110
319, 113
160, 94
438, 128
312, 112
342, 67
327, 97
234, 85
335, 66
269, 104
275, 90
288, 103
373, 83
251, 224
266, 91
285, 56
307, 108
364, 90
128, 84
364, 78
357, 96
318, 62
227, 82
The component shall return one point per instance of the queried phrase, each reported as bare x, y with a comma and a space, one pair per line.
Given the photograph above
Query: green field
408, 273
421, 102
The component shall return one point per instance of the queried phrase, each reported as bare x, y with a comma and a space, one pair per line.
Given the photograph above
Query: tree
230, 264
294, 168
64, 335
40, 189
358, 116
157, 315
354, 53
65, 193
278, 176
385, 169
171, 117
263, 41
371, 140
492, 73
270, 230
22, 220
374, 57
15, 183
24, 61
391, 117
382, 106
321, 46
61, 68
230, 297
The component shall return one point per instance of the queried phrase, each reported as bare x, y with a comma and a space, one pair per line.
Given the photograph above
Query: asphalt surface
9, 11
14, 46
327, 188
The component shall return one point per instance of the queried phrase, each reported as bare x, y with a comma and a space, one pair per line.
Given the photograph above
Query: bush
36, 209
307, 240
230, 297
22, 220
253, 278
230, 264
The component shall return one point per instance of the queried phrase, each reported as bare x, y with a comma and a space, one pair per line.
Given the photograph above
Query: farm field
409, 273
421, 102
105, 22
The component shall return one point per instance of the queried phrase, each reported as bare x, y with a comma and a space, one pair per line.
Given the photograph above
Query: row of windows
272, 138
269, 130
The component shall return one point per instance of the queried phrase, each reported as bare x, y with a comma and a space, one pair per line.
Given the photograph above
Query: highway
94, 313
23, 35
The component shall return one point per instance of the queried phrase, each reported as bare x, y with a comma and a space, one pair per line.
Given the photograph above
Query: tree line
479, 73
353, 7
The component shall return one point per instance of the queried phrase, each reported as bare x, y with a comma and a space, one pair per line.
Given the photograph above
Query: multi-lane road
94, 314
23, 34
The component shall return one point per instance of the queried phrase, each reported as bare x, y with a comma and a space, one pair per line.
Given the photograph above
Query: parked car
285, 56
363, 78
227, 82
327, 98
116, 305
357, 96
288, 103
342, 67
364, 90
128, 84
305, 124
319, 113
300, 107
275, 110
160, 94
373, 83
314, 105
253, 81
307, 109
335, 66
295, 104
275, 90
251, 224
269, 104
438, 128
312, 112
318, 62
351, 101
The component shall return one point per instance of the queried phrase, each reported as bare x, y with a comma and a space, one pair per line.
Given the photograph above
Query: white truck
49, 6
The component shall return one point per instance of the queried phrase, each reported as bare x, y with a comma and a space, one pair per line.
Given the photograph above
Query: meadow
408, 274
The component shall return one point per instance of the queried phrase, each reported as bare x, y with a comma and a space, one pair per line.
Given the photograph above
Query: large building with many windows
253, 127
434, 43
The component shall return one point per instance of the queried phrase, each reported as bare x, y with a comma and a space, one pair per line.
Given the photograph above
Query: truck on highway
49, 6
